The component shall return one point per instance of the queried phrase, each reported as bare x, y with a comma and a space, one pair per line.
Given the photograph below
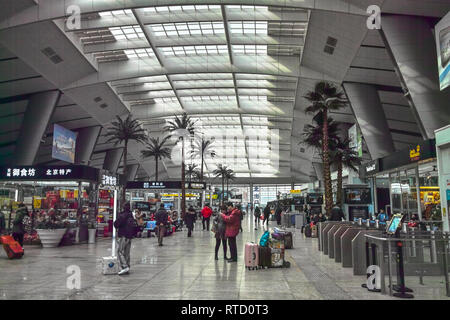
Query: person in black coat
266, 215
161, 218
189, 220
126, 232
278, 214
337, 214
257, 214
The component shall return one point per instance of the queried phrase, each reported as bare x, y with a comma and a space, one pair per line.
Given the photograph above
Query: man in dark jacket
126, 231
18, 229
278, 214
161, 218
266, 215
336, 214
257, 214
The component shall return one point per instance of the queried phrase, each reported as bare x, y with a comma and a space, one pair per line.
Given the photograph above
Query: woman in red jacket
232, 221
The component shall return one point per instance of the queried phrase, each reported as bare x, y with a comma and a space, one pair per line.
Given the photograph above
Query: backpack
263, 242
132, 226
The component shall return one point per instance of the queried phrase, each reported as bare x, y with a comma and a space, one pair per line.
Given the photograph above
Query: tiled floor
184, 268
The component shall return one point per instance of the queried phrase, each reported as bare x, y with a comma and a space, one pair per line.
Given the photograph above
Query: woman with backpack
219, 228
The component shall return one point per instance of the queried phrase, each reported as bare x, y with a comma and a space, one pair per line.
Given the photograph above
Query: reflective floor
184, 268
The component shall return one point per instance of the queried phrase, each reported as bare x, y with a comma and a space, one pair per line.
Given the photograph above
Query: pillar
36, 119
86, 140
251, 198
411, 41
112, 160
318, 168
131, 172
369, 114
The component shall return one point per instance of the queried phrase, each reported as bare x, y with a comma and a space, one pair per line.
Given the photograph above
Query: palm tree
181, 125
313, 133
230, 175
203, 148
344, 156
192, 173
124, 131
221, 172
324, 98
158, 150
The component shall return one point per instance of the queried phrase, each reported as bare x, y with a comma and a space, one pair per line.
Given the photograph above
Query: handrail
445, 237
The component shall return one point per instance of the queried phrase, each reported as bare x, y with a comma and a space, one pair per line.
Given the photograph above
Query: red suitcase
251, 256
12, 247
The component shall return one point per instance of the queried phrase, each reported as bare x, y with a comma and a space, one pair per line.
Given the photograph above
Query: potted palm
325, 97
124, 131
158, 150
51, 229
221, 172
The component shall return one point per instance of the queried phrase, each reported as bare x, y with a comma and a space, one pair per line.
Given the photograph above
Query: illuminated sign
414, 154
109, 180
28, 173
296, 191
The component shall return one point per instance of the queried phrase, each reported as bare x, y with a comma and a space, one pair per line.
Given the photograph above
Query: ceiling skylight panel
129, 32
195, 50
115, 13
249, 49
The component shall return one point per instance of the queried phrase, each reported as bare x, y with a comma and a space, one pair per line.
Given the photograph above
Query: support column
410, 40
36, 119
112, 160
369, 114
86, 140
318, 168
131, 171
251, 198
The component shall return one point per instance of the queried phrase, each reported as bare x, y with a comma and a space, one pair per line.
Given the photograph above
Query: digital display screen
394, 224
358, 196
443, 51
314, 198
144, 206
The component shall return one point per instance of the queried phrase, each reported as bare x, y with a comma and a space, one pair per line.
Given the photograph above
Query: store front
407, 182
54, 195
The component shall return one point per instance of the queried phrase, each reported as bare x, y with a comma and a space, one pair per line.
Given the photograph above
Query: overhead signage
30, 173
164, 185
296, 191
442, 32
422, 151
371, 167
355, 140
64, 142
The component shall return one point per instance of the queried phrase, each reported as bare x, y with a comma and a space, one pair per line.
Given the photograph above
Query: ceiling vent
302, 150
103, 105
51, 54
98, 99
331, 45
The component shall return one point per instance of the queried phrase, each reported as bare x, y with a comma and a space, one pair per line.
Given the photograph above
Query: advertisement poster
63, 144
443, 50
355, 137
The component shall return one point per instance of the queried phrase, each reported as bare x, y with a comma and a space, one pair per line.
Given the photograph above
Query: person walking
266, 215
18, 230
232, 222
241, 214
219, 227
257, 215
161, 218
278, 214
127, 228
206, 215
337, 214
189, 219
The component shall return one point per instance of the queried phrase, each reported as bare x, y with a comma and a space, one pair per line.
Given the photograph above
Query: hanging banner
355, 137
64, 142
442, 32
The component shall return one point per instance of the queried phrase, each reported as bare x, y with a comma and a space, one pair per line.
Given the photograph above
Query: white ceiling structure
239, 68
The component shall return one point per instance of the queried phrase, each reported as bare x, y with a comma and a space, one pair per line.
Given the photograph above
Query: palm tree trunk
201, 169
339, 183
228, 195
326, 166
125, 152
183, 187
156, 168
223, 189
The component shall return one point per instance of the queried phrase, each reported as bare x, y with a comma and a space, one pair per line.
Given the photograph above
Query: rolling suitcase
251, 256
308, 231
265, 257
314, 232
288, 241
110, 265
12, 247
